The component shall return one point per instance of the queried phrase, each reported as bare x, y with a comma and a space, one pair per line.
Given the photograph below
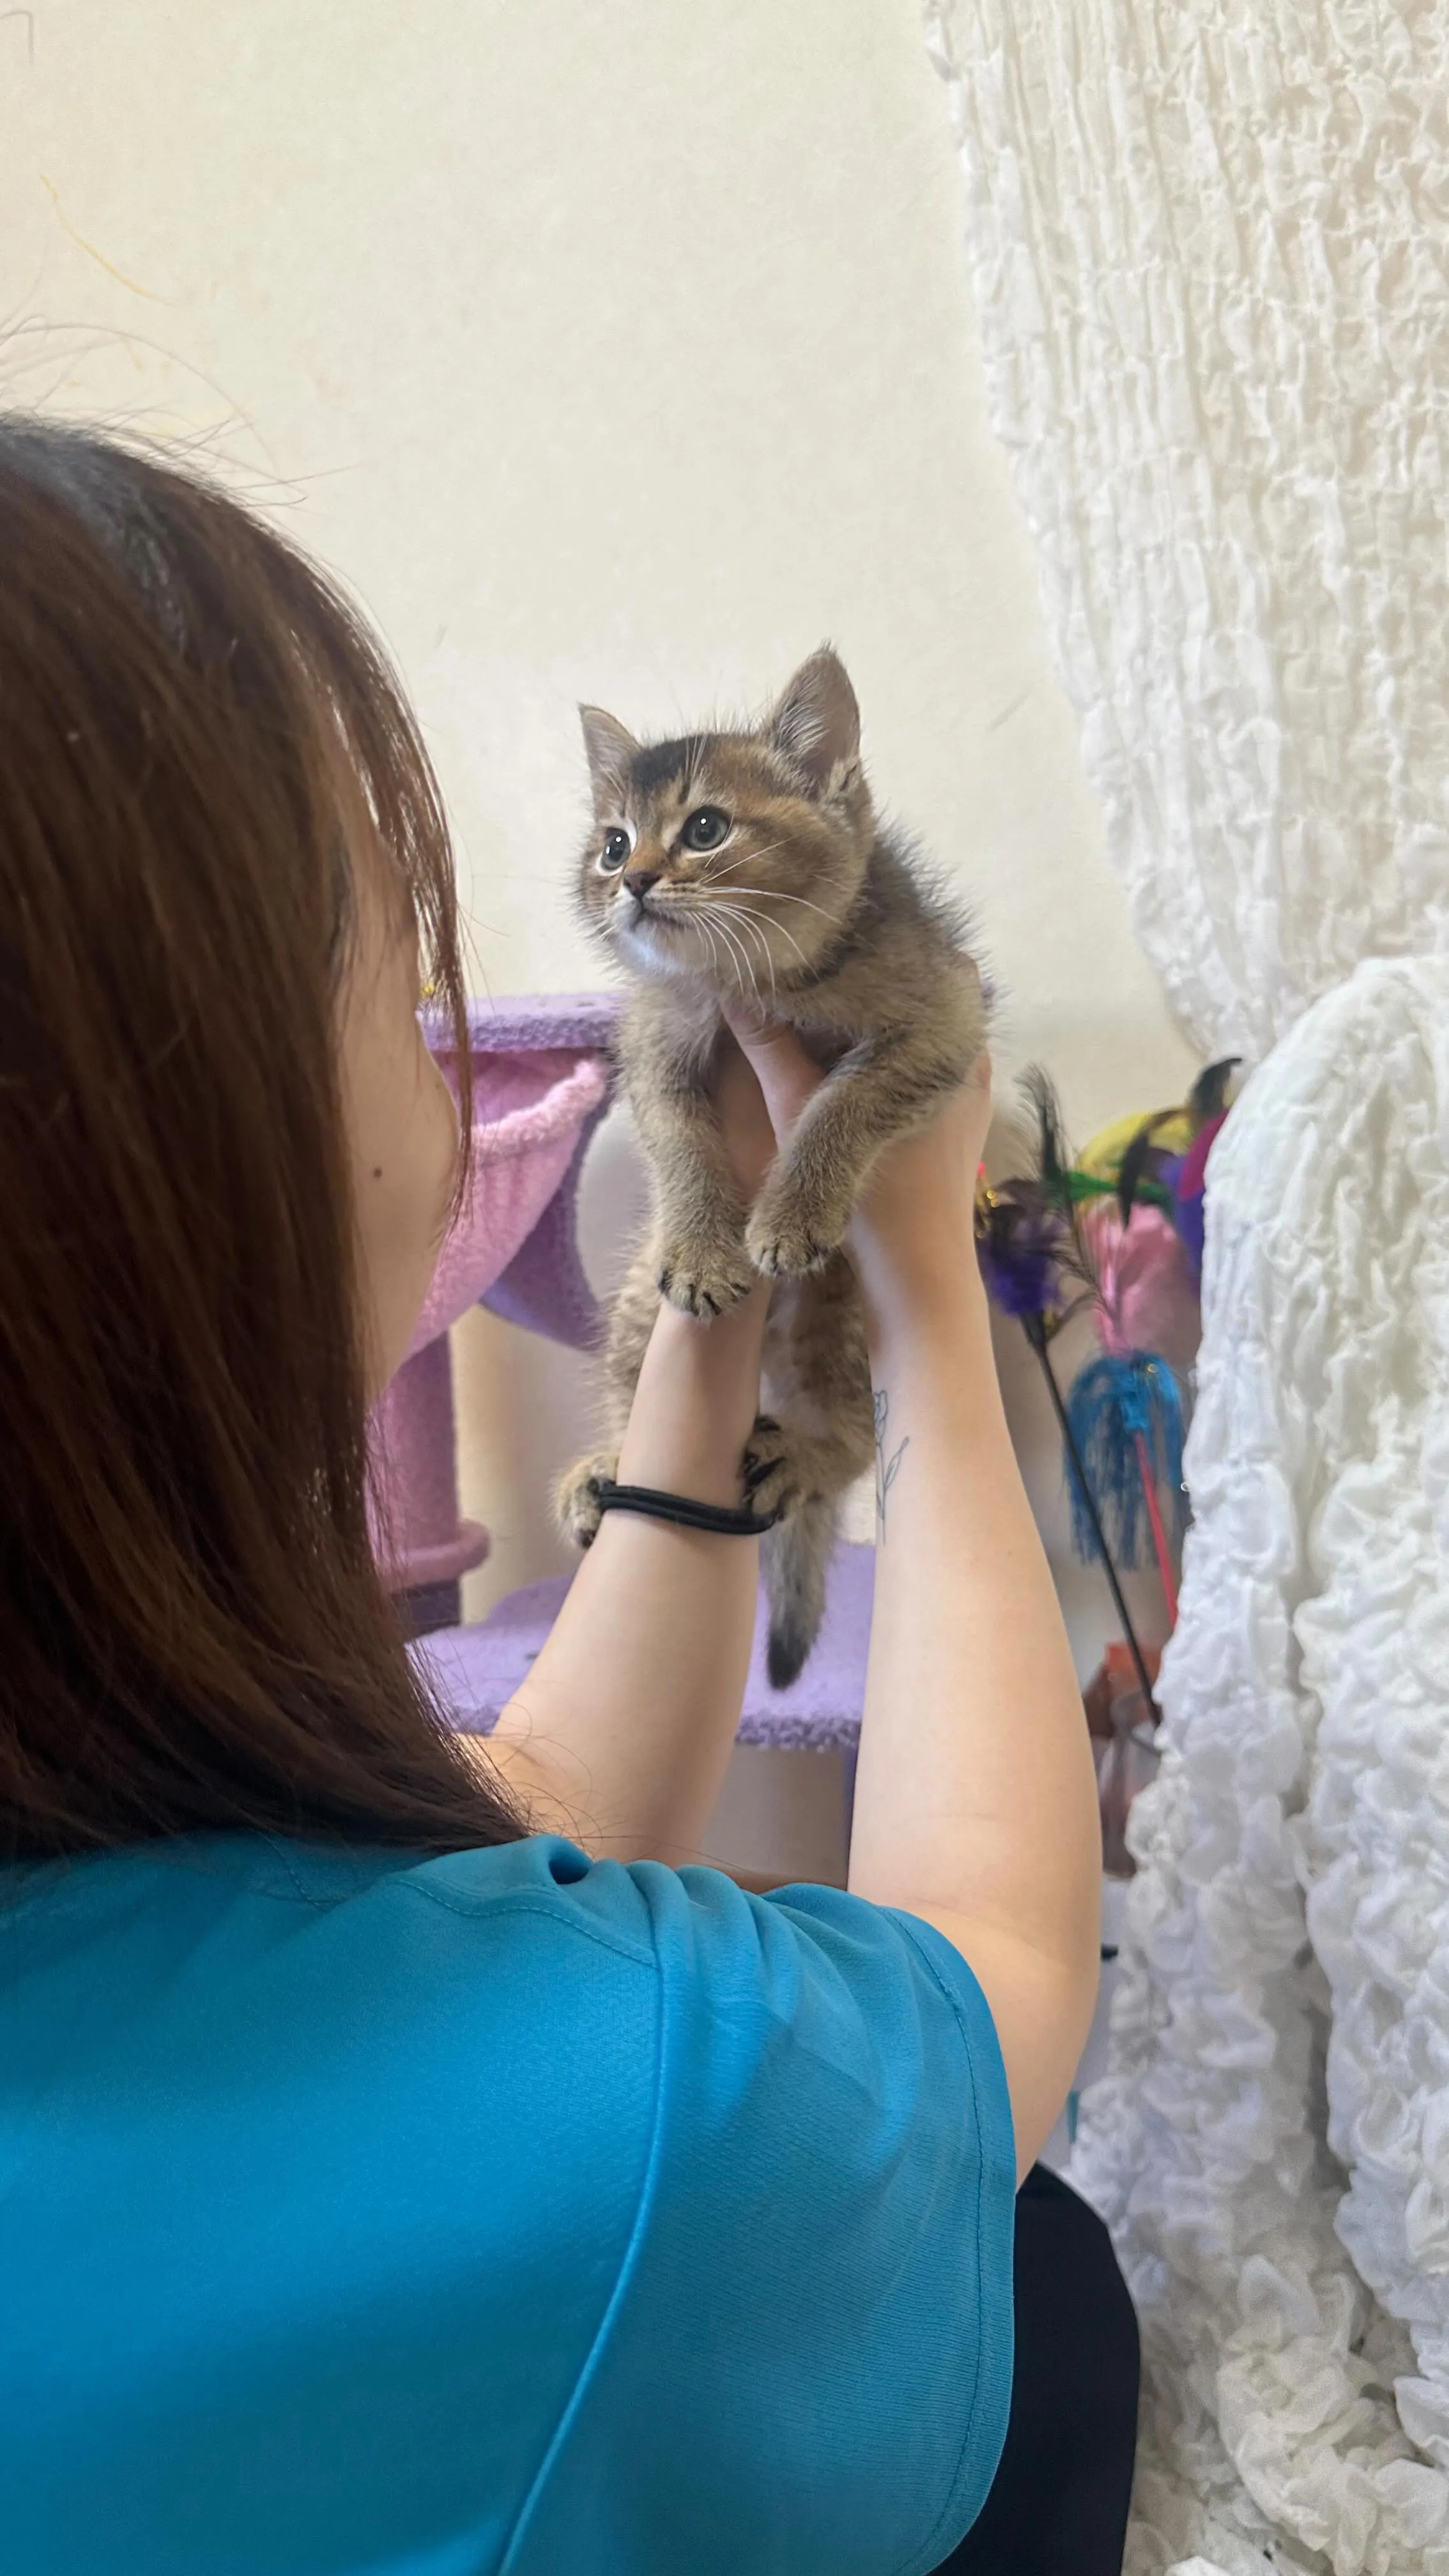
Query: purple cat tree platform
477, 1669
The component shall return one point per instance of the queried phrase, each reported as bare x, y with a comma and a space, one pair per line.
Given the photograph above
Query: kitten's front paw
703, 1275
785, 1240
771, 1478
576, 1498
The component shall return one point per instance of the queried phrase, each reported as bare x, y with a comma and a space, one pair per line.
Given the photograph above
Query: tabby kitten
751, 864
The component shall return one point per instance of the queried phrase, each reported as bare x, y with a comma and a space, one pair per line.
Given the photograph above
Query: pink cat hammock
542, 1081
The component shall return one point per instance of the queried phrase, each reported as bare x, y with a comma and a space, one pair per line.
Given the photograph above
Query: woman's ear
816, 722
611, 753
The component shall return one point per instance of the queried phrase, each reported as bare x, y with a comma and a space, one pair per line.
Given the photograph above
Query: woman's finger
748, 1132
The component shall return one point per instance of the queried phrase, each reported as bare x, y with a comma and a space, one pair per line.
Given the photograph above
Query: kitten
751, 863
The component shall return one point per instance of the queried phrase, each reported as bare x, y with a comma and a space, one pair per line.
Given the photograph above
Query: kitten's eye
615, 852
705, 828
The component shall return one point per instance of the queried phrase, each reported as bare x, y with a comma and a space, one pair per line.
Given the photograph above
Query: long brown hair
193, 1635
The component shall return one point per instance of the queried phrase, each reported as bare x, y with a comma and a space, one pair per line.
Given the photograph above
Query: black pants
1059, 2503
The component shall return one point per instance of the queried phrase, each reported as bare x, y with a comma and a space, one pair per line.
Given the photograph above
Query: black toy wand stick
1034, 1327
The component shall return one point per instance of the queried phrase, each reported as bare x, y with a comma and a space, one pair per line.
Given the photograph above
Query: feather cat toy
1037, 1265
1142, 1233
1119, 1232
750, 864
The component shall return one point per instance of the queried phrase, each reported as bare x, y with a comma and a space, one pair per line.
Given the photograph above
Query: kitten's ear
610, 751
816, 724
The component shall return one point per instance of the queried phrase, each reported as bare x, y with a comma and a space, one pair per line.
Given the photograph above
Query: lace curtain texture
1210, 253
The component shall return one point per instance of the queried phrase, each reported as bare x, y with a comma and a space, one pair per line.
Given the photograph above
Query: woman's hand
916, 1216
756, 1122
767, 1070
914, 1230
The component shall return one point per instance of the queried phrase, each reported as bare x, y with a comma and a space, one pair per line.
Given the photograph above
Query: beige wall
613, 351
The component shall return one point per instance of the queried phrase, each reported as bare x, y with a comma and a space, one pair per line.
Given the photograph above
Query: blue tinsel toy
1126, 1417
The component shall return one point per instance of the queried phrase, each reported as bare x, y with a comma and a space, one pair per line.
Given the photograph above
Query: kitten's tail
796, 1553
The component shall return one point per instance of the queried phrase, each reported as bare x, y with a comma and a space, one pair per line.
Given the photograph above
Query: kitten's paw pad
770, 1478
576, 1499
784, 1245
704, 1278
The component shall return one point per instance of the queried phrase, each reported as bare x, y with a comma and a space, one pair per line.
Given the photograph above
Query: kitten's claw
783, 1247
576, 1499
768, 1468
703, 1279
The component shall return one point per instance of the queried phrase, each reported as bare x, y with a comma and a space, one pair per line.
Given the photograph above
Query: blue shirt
501, 2215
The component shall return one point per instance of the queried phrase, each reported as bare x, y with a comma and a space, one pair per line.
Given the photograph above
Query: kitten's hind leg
631, 1321
771, 1468
576, 1496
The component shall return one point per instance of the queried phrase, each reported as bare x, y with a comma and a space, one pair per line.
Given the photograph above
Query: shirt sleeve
806, 2366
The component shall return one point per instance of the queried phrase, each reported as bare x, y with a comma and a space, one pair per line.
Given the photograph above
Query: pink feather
1146, 1297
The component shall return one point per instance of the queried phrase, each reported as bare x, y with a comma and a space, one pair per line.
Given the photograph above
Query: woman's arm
975, 1801
975, 1794
622, 1732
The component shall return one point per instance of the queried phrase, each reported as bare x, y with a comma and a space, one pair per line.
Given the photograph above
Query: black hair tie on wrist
682, 1509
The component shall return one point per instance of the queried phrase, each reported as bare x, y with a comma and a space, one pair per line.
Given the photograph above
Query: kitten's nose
639, 881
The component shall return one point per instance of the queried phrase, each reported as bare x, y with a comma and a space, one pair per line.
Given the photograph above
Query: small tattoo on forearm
887, 1468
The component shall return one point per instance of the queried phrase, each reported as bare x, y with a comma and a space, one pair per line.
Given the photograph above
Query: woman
387, 2184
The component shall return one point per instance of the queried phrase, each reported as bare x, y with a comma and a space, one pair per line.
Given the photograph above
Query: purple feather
1020, 1249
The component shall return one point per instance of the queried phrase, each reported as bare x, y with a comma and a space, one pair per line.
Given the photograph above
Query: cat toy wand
1035, 1328
1038, 1335
1140, 1232
1028, 1245
1125, 1411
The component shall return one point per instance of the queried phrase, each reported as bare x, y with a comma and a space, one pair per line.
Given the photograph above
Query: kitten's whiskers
736, 950
784, 934
773, 894
747, 921
726, 918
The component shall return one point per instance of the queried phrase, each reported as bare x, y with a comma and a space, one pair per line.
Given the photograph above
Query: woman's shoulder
380, 2129
328, 2028
542, 1880
187, 1877
217, 1961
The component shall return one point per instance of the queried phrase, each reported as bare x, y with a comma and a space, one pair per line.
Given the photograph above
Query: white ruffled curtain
1210, 249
